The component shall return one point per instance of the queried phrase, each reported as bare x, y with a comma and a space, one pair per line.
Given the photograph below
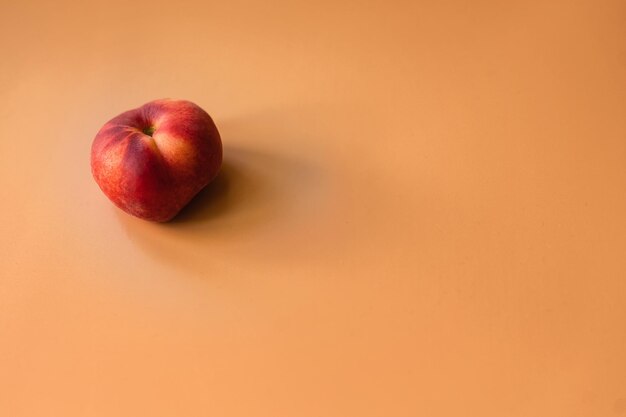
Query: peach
152, 160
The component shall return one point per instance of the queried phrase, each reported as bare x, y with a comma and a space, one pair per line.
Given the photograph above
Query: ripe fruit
152, 160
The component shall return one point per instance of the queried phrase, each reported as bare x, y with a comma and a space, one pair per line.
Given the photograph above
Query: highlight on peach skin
152, 160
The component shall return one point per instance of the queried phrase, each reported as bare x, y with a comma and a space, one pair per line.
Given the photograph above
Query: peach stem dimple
149, 130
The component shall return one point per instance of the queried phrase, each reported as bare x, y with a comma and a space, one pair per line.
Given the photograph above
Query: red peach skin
152, 160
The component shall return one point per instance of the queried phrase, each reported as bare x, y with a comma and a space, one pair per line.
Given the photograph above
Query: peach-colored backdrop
422, 211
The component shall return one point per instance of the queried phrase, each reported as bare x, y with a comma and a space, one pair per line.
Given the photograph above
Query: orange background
422, 211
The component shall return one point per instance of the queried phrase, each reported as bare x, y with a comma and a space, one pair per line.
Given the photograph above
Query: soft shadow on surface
255, 191
212, 200
245, 188
253, 188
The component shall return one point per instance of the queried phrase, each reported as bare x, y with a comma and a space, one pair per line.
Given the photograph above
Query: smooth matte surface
422, 211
